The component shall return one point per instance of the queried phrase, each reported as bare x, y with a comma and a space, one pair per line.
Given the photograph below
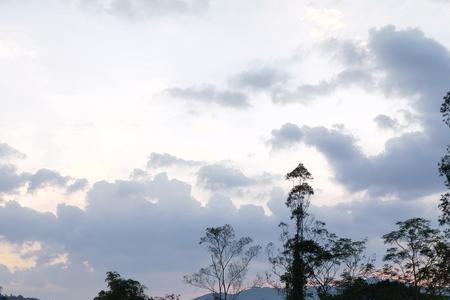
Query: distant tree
168, 297
230, 258
413, 253
122, 289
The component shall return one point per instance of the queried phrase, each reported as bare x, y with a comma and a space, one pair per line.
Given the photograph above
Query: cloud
414, 67
77, 185
209, 94
144, 9
304, 93
218, 177
162, 160
261, 78
46, 177
386, 122
347, 52
288, 135
11, 179
147, 228
144, 227
6, 152
405, 168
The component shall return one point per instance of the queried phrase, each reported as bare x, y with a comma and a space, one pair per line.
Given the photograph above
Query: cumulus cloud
209, 94
219, 177
149, 227
405, 167
162, 160
286, 136
11, 179
414, 67
46, 177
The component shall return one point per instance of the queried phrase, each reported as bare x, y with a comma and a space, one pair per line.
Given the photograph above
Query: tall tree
413, 252
298, 202
230, 258
312, 255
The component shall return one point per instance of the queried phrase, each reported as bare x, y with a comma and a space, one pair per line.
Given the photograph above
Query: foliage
2, 297
444, 170
230, 259
413, 252
122, 289
312, 255
360, 289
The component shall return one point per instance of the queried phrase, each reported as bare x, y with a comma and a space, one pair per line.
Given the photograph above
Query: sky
129, 126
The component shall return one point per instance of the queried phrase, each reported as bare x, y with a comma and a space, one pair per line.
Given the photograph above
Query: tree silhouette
312, 255
298, 202
444, 169
2, 297
442, 268
122, 289
230, 259
413, 252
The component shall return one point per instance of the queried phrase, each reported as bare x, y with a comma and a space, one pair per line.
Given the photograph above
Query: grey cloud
386, 122
414, 67
77, 185
405, 168
347, 52
209, 94
162, 160
306, 92
46, 177
218, 177
11, 179
122, 229
6, 151
288, 135
262, 78
372, 218
399, 62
